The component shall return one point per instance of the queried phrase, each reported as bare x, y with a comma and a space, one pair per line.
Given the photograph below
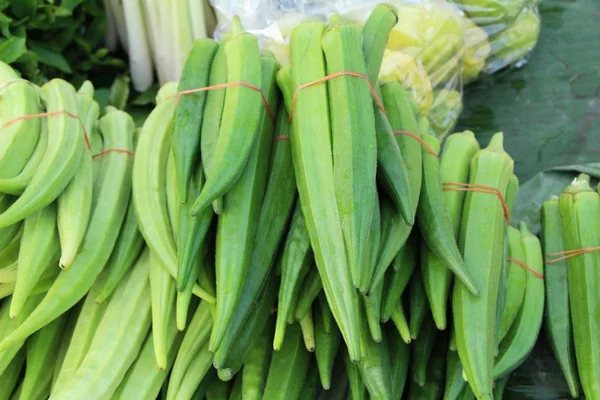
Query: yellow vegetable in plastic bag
514, 43
410, 73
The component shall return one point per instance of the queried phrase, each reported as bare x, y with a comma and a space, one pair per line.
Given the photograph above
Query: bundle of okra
274, 232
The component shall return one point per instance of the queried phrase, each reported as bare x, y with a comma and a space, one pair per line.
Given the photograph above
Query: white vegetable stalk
140, 61
156, 34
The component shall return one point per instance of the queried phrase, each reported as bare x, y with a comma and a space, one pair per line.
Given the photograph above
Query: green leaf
11, 49
50, 57
119, 92
543, 185
24, 8
147, 97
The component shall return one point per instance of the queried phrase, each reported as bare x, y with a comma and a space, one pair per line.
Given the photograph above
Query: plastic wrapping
435, 49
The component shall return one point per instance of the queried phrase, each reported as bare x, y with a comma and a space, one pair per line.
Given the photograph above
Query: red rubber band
228, 85
471, 187
563, 255
52, 114
281, 138
330, 77
131, 153
418, 139
537, 274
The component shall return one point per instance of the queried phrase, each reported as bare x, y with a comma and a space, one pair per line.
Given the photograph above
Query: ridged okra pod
353, 141
558, 315
454, 164
580, 215
313, 164
481, 241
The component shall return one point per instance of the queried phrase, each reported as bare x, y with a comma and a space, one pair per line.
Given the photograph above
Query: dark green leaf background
549, 111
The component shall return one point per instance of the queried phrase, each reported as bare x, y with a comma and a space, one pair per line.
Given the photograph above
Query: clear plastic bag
433, 51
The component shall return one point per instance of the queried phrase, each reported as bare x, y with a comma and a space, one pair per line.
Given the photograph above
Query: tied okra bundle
275, 233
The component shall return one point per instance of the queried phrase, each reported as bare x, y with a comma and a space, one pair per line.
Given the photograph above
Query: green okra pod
113, 192
375, 367
516, 282
39, 251
399, 360
256, 368
392, 174
579, 208
87, 322
122, 330
354, 146
433, 217
311, 288
288, 368
240, 215
241, 119
328, 338
127, 249
194, 340
295, 263
459, 149
558, 315
313, 165
399, 275
42, 350
187, 122
61, 158
162, 290
454, 378
19, 136
231, 355
74, 204
358, 391
277, 207
481, 241
422, 349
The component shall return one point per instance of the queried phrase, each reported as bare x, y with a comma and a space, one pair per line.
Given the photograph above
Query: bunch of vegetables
262, 214
157, 35
570, 235
45, 39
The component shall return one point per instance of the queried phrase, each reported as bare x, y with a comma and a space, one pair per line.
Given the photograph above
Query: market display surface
293, 219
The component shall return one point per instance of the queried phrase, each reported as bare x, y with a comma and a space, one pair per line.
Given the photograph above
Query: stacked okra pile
320, 227
571, 241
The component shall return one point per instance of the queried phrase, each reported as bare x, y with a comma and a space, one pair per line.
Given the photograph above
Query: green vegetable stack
273, 233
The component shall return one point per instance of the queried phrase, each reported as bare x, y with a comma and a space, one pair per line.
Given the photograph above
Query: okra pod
295, 263
240, 215
481, 242
458, 151
328, 338
579, 208
288, 368
187, 122
558, 315
434, 219
354, 146
313, 166
241, 119
114, 189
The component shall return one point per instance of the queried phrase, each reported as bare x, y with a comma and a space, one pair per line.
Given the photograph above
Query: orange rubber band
471, 187
537, 274
52, 114
418, 139
131, 153
281, 138
563, 255
228, 85
330, 77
